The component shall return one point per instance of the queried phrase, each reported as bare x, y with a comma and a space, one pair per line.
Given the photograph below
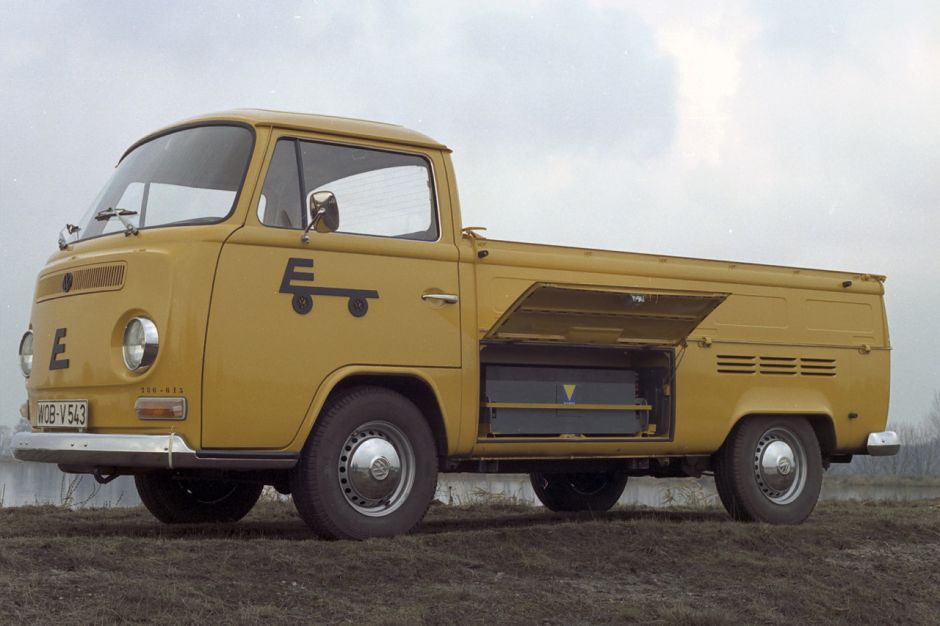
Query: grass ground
856, 563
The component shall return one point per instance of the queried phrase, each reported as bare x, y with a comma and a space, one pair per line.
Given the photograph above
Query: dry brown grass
850, 563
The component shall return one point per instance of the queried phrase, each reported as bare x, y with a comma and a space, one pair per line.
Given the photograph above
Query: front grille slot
101, 276
88, 279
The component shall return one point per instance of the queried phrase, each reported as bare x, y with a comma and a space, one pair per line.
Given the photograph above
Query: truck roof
327, 124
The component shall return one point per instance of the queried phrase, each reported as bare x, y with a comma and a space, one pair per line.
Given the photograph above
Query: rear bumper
883, 444
86, 452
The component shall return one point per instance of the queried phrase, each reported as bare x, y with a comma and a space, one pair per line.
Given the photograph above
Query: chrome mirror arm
313, 224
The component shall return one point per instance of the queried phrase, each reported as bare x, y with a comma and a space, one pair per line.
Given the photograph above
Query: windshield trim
174, 129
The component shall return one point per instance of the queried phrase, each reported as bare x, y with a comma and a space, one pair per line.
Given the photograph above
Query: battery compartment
560, 391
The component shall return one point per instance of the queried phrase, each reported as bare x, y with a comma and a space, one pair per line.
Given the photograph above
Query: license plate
63, 414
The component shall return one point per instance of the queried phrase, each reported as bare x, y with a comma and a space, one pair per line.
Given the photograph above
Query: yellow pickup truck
263, 298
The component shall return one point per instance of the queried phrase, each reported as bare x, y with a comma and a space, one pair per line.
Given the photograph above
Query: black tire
176, 501
597, 491
769, 470
365, 437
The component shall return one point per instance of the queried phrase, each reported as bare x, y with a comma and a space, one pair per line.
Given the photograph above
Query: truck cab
264, 298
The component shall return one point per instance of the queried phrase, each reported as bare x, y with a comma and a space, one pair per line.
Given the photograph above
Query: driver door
285, 314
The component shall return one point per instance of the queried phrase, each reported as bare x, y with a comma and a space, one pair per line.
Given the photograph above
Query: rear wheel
174, 500
595, 491
369, 469
770, 470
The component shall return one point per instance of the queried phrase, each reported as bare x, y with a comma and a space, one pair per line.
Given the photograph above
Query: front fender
444, 383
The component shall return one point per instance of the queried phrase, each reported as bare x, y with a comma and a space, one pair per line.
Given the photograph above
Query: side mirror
324, 214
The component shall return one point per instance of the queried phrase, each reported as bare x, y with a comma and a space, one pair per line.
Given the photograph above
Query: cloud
552, 77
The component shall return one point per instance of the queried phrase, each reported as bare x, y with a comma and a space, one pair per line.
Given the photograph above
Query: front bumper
885, 443
88, 452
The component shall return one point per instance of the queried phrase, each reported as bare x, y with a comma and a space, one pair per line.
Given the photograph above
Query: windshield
189, 176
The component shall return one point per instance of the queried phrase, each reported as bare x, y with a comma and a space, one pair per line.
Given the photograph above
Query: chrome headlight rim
140, 355
26, 358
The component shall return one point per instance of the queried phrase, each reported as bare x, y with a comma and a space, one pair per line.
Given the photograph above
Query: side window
280, 203
378, 193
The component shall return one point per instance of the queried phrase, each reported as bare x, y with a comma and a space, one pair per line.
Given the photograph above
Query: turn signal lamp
160, 408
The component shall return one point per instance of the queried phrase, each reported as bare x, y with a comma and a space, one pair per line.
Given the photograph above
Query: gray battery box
526, 400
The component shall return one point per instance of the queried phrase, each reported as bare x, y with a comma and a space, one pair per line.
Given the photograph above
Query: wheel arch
821, 422
409, 383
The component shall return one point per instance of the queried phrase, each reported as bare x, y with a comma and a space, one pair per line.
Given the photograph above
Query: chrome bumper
86, 452
883, 444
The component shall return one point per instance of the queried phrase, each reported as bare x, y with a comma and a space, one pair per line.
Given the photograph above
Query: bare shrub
689, 494
68, 492
919, 454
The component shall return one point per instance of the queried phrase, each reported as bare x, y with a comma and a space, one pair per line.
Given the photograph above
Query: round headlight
140, 344
26, 353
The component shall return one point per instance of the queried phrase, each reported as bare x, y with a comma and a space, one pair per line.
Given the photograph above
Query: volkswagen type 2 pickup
262, 298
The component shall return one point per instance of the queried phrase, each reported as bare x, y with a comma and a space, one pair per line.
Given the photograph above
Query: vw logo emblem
784, 466
67, 282
380, 468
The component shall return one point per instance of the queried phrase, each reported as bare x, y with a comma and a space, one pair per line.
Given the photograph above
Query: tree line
6, 436
919, 454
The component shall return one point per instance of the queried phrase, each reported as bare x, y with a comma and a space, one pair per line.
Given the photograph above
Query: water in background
655, 492
40, 483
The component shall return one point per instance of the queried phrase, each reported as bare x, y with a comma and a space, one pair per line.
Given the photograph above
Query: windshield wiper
121, 214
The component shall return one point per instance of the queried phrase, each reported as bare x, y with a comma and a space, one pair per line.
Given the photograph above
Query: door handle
447, 298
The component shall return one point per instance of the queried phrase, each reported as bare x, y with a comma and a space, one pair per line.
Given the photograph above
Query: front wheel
770, 470
369, 469
594, 491
174, 500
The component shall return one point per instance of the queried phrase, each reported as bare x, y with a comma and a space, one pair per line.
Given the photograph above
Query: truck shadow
457, 523
440, 520
288, 527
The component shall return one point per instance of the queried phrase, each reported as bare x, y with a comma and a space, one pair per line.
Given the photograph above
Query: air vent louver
775, 365
736, 364
778, 365
817, 367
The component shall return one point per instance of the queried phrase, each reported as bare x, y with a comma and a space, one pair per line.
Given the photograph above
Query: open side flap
603, 315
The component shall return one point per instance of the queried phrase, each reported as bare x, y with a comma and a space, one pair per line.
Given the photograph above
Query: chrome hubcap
780, 465
373, 468
376, 468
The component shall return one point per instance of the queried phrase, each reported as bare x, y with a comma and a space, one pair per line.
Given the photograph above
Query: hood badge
67, 282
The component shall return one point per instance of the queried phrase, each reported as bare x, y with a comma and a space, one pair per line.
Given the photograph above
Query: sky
797, 133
